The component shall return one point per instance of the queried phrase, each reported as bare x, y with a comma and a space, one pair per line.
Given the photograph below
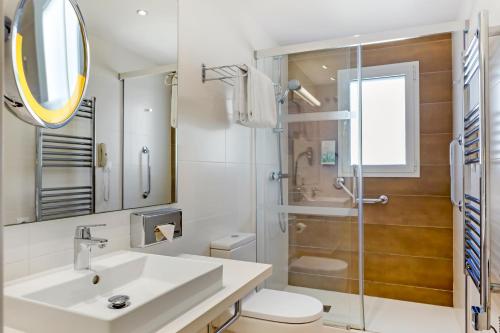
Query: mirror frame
25, 106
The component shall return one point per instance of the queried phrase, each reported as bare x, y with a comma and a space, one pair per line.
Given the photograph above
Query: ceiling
290, 22
153, 36
287, 22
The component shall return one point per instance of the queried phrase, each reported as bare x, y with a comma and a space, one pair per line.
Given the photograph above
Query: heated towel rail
476, 224
59, 151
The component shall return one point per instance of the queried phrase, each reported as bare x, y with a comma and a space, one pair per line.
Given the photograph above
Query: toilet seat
319, 265
282, 307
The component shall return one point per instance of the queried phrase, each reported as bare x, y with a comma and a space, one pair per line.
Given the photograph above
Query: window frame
411, 71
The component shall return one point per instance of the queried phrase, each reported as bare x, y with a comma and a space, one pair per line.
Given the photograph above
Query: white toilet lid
282, 306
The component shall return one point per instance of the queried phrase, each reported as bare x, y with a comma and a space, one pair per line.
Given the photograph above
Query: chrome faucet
83, 246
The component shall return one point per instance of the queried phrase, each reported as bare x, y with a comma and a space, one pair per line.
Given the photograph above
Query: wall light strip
308, 97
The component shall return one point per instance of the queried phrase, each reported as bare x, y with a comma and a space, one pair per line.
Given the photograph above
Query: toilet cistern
83, 244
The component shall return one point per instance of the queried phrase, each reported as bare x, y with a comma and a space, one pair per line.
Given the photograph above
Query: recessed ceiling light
356, 36
142, 12
324, 67
332, 78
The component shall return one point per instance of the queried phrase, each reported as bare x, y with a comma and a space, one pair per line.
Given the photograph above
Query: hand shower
308, 153
293, 85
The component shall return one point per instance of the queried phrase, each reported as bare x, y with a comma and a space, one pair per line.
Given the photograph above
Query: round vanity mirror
49, 56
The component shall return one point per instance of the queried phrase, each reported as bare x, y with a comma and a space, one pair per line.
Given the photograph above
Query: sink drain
96, 279
118, 302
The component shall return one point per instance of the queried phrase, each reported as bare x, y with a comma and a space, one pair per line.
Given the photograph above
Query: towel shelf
226, 73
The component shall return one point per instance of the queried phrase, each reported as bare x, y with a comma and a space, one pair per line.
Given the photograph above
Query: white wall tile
16, 244
203, 189
239, 144
16, 270
51, 237
50, 261
241, 194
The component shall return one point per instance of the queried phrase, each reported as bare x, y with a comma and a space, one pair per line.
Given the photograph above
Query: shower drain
118, 302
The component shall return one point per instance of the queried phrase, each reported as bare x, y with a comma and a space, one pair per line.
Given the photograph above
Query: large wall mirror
118, 151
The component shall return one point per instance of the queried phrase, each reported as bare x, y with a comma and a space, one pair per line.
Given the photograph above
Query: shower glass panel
307, 207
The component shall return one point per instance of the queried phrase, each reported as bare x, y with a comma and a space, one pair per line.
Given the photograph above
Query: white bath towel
173, 101
254, 100
240, 97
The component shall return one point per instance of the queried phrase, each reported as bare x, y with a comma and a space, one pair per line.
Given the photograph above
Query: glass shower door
309, 220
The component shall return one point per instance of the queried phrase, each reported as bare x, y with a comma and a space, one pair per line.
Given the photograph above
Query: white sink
64, 300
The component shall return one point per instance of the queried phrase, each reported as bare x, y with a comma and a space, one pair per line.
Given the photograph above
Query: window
390, 121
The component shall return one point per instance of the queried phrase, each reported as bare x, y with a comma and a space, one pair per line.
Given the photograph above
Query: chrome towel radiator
476, 171
56, 150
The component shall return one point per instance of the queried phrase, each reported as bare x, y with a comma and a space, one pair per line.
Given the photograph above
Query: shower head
295, 86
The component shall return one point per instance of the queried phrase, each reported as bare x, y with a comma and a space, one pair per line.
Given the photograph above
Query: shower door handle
278, 175
147, 152
455, 200
383, 199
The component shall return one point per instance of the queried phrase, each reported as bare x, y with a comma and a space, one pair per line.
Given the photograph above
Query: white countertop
239, 279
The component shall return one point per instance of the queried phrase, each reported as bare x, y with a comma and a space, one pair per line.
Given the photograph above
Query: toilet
268, 310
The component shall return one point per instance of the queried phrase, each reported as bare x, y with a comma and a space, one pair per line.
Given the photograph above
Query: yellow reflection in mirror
50, 116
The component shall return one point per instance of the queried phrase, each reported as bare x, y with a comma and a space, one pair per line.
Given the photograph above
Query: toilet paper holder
143, 226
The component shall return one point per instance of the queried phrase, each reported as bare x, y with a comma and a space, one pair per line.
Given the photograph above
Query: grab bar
383, 199
457, 142
145, 150
340, 185
232, 320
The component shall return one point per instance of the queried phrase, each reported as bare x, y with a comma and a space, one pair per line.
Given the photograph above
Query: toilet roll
165, 231
300, 227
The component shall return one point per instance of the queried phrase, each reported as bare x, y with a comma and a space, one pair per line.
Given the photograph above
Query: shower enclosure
310, 181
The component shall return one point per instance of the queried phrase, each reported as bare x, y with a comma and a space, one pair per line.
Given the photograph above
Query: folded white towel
255, 106
240, 97
173, 102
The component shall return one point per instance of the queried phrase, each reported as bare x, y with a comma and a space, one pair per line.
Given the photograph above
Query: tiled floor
385, 315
